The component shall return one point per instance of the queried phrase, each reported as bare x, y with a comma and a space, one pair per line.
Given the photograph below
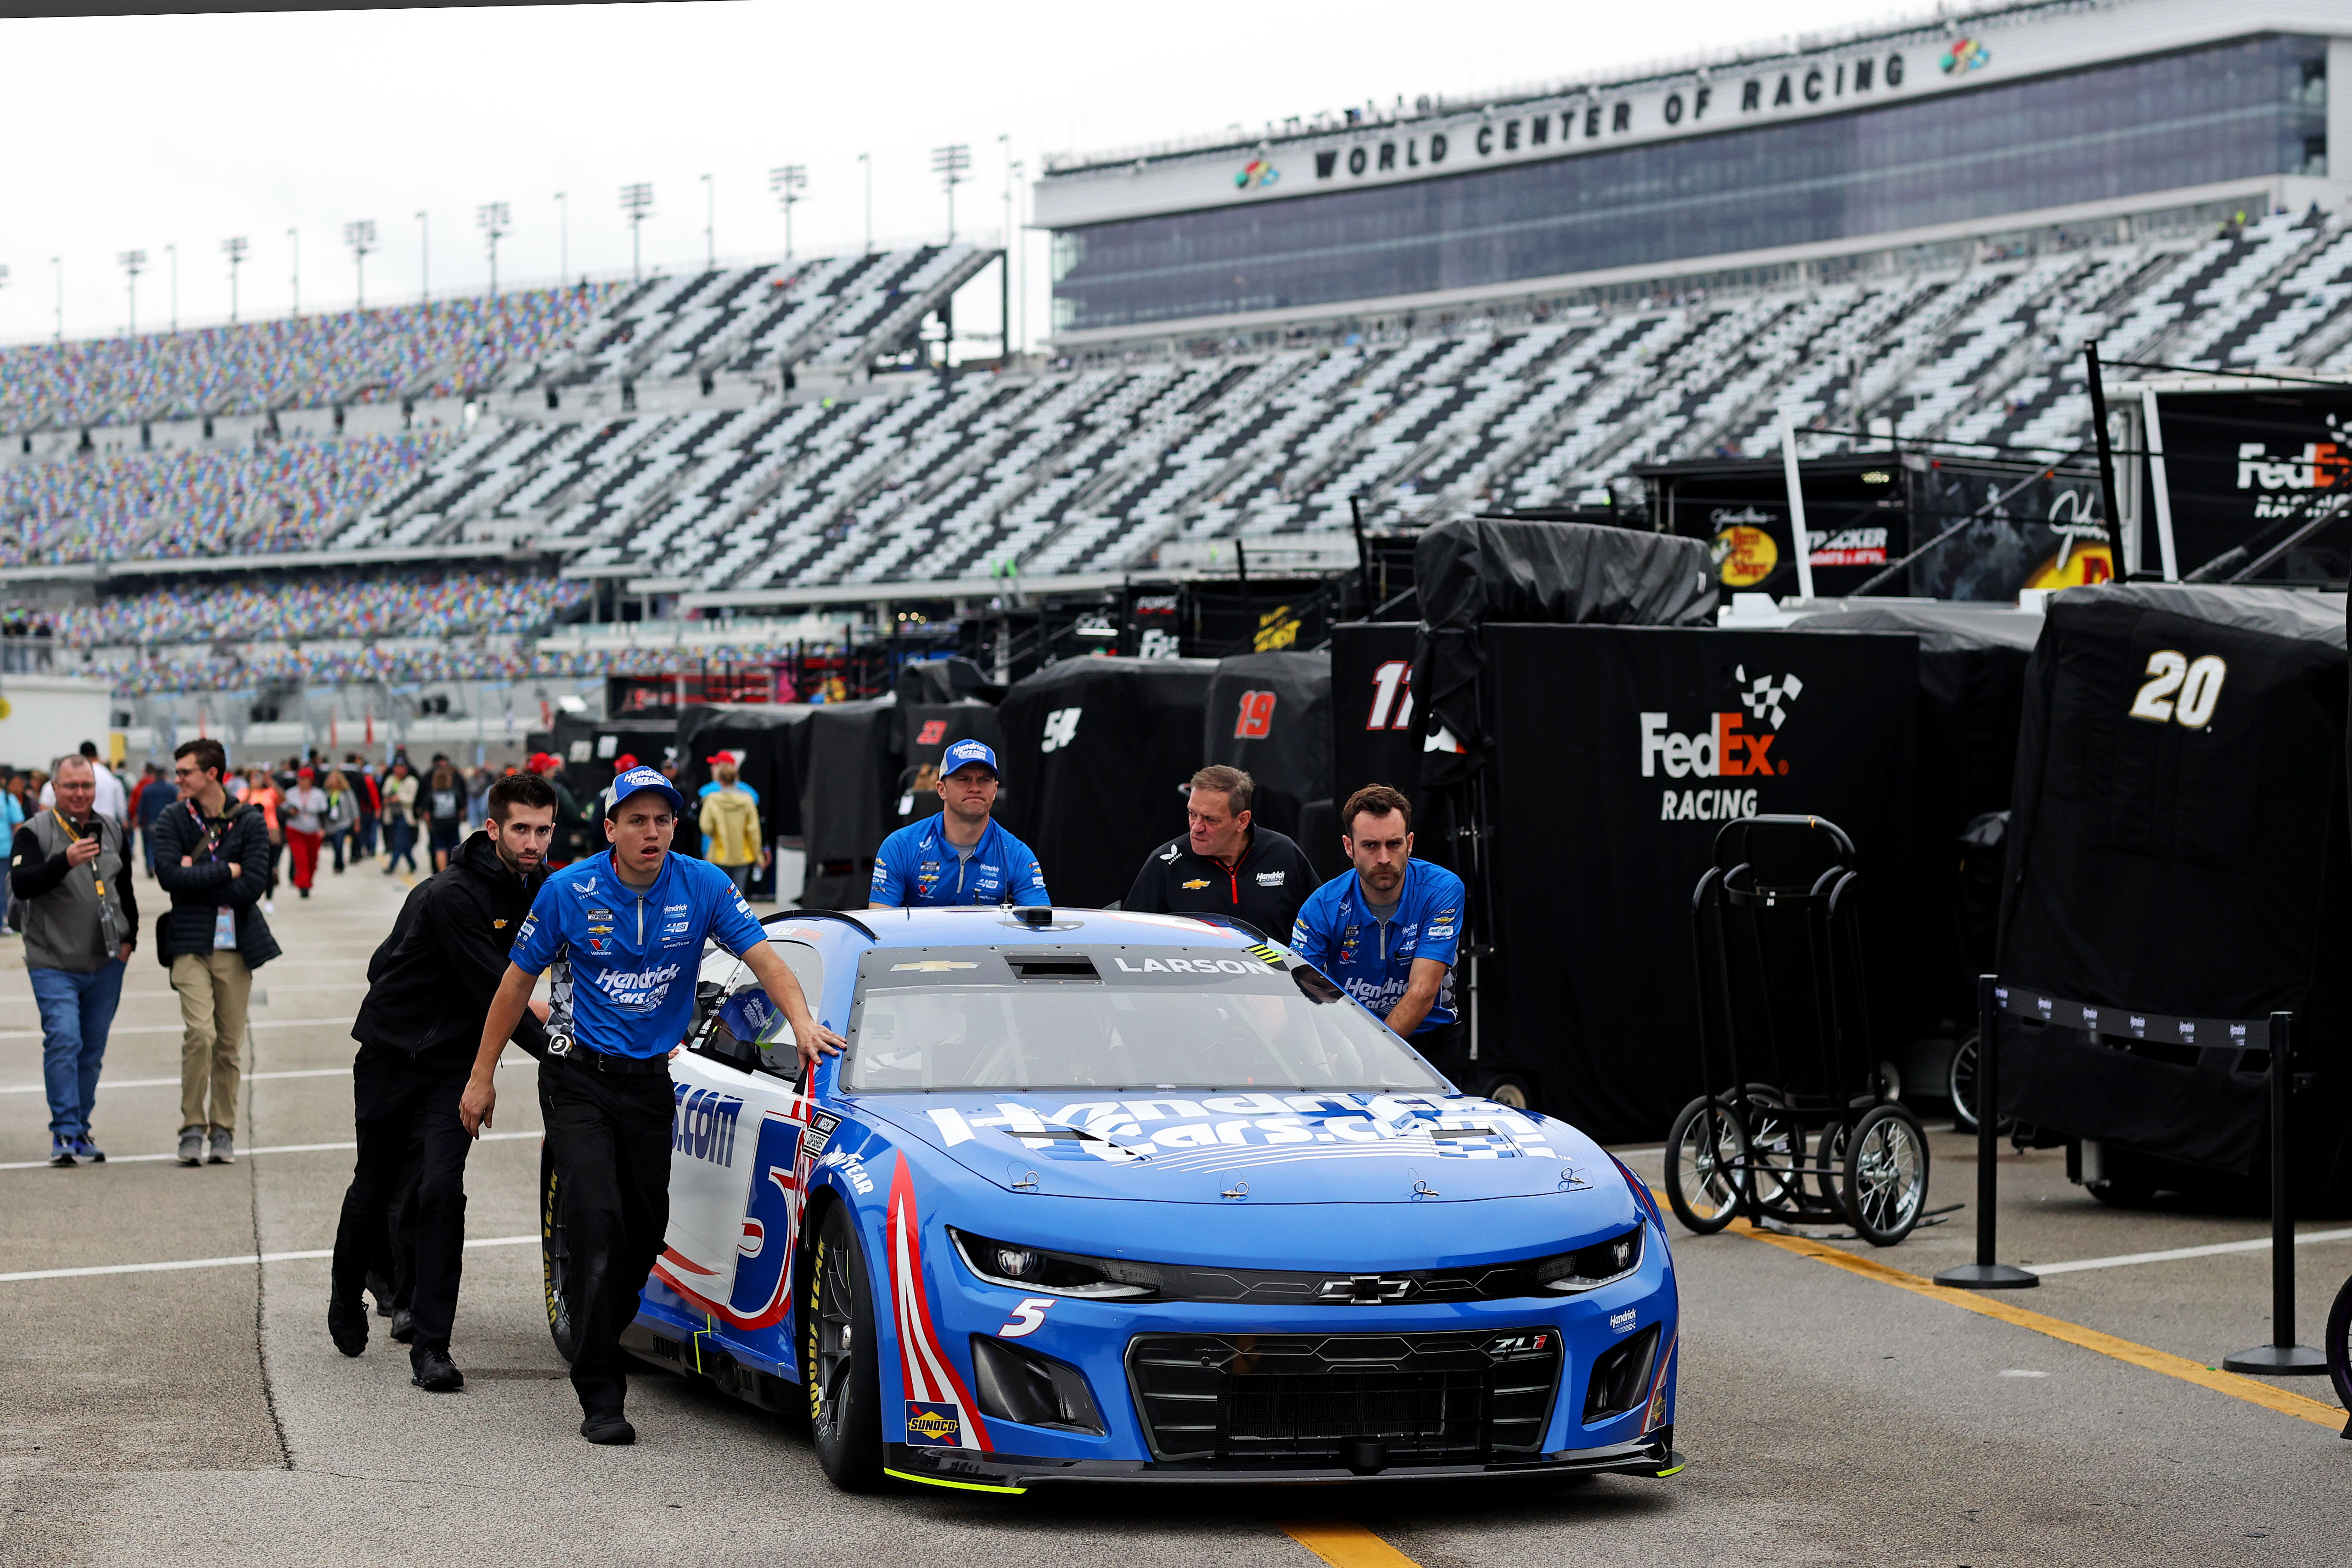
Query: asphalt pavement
201, 1415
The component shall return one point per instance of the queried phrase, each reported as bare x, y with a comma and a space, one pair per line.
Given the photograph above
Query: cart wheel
1885, 1174
1828, 1156
2339, 1348
1774, 1140
1706, 1158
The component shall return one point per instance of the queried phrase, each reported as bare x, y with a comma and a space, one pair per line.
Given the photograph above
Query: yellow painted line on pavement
1347, 1545
2252, 1391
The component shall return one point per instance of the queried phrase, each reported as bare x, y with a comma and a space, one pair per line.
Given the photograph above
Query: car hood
1255, 1147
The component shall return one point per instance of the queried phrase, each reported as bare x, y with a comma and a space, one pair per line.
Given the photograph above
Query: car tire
837, 1361
554, 1254
1511, 1089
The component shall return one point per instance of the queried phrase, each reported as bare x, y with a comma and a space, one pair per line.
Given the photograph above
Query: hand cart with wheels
1804, 1130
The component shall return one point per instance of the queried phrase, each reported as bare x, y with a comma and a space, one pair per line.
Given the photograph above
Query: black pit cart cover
761, 734
2176, 846
1096, 752
848, 798
1617, 753
1972, 661
1376, 737
954, 679
1559, 574
1269, 714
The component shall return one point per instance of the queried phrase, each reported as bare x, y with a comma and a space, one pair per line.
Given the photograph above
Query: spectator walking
478, 793
71, 867
262, 792
306, 828
443, 803
12, 817
113, 800
399, 817
154, 796
342, 812
370, 801
213, 858
571, 818
729, 820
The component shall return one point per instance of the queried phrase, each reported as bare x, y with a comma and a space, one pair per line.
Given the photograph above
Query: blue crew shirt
1371, 958
625, 962
918, 868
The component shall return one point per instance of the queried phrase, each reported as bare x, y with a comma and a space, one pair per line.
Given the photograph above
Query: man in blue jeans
81, 920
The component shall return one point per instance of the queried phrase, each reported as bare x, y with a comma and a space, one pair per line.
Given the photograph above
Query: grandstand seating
335, 604
1091, 468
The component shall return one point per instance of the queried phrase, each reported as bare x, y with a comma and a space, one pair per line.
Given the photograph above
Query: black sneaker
86, 1152
403, 1325
380, 1286
610, 1427
434, 1370
347, 1323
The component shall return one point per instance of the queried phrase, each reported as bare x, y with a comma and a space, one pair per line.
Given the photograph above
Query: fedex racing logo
702, 1126
1726, 748
640, 988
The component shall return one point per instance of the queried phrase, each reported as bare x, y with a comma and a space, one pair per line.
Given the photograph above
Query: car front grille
1435, 1398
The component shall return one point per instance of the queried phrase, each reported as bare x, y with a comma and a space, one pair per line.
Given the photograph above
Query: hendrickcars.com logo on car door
1738, 742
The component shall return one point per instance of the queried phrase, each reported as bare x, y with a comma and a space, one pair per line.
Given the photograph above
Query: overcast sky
141, 132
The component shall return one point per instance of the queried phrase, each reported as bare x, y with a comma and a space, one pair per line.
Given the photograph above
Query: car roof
994, 926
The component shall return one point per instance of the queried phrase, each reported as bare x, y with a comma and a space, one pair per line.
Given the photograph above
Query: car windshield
1115, 1019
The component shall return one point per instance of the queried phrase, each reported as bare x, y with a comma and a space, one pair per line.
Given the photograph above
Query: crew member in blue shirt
623, 933
1387, 931
961, 856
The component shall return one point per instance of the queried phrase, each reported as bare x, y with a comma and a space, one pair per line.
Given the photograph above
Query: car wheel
554, 1254
1510, 1089
2339, 1348
844, 1397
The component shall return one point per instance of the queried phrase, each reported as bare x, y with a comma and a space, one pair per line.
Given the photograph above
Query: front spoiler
969, 1469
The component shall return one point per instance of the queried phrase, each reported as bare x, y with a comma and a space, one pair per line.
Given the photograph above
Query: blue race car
1107, 1196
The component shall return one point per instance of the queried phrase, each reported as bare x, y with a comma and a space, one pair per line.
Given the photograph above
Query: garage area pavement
201, 1415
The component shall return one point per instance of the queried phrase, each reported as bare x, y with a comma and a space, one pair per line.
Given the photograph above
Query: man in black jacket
429, 989
213, 856
1224, 864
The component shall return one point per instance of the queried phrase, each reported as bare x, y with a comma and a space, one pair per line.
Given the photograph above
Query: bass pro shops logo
1728, 748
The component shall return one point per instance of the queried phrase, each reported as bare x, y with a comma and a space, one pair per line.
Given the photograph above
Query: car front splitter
970, 1469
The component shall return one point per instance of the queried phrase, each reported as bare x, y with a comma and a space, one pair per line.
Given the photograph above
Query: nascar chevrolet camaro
1094, 1196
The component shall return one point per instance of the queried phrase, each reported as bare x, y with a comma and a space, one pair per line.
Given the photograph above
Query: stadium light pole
133, 262
296, 236
234, 249
491, 218
172, 251
952, 164
710, 223
562, 236
636, 200
424, 259
789, 184
866, 160
360, 235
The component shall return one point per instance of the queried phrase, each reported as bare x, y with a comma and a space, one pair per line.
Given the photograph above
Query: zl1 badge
934, 1425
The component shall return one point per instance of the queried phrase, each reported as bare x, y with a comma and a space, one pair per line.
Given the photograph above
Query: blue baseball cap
964, 752
637, 780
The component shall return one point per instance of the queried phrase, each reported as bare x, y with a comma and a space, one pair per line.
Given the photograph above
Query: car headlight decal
1022, 1268
1589, 1268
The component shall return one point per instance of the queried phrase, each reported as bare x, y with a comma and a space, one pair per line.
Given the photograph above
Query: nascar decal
940, 1410
1225, 1132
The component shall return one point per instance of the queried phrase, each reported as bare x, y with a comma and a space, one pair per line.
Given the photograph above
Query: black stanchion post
2282, 1357
1985, 1274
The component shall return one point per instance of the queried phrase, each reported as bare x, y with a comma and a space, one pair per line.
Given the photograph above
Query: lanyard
76, 833
212, 838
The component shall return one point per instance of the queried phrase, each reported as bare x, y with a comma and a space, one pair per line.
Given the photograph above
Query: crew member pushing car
1387, 930
961, 856
1223, 863
623, 933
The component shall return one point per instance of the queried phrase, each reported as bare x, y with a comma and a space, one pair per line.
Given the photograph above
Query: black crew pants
403, 1106
609, 1135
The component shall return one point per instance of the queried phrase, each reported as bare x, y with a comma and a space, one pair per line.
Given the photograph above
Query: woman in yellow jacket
730, 820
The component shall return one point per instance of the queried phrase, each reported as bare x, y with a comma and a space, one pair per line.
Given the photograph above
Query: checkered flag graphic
1767, 695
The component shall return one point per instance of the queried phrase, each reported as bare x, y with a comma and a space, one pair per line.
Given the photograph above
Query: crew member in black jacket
1224, 864
429, 988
